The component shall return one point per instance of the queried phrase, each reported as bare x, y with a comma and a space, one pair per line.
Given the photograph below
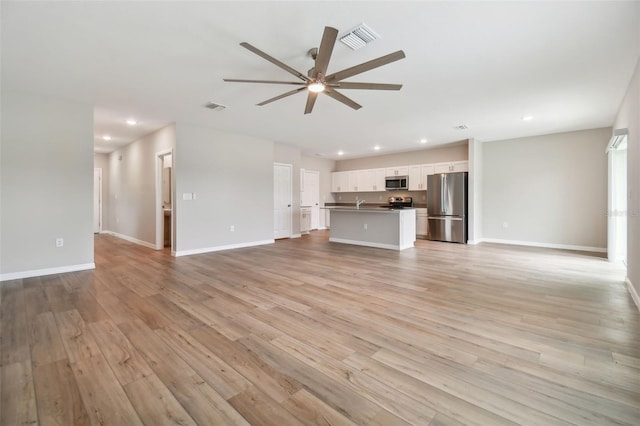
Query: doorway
617, 198
282, 200
97, 200
165, 205
310, 195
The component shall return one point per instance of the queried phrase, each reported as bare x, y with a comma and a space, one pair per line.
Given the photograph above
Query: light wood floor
311, 332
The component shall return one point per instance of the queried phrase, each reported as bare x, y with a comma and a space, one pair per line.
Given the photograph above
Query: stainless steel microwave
393, 183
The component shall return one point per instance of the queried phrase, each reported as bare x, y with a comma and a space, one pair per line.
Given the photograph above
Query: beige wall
132, 186
629, 117
232, 177
550, 190
455, 152
46, 173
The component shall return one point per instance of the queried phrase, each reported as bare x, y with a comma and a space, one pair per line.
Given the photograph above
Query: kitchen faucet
358, 202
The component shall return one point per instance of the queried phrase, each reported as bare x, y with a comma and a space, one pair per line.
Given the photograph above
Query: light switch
187, 196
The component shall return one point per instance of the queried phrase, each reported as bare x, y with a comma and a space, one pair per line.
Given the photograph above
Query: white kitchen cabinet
418, 176
378, 179
339, 182
415, 178
451, 166
422, 223
397, 171
305, 220
365, 180
352, 178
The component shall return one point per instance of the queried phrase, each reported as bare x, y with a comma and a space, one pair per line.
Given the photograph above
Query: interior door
312, 196
282, 200
97, 200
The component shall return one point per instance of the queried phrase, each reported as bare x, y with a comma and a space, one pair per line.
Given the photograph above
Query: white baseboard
632, 291
131, 239
296, 236
370, 244
46, 271
220, 248
537, 244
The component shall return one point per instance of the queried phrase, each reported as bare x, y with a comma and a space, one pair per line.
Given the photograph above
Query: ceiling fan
317, 81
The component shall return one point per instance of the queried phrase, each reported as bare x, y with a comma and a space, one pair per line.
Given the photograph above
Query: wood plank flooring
310, 332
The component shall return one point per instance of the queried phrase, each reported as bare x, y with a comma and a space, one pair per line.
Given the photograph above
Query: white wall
232, 177
629, 117
132, 186
551, 190
476, 196
47, 185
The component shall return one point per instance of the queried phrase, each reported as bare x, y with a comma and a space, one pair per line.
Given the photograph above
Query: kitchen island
393, 229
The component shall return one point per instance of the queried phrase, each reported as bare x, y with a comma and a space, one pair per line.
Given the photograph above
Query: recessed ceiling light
106, 137
423, 140
131, 122
527, 117
340, 152
377, 147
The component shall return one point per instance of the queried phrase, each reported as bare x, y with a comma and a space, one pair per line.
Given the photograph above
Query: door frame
290, 167
159, 217
99, 169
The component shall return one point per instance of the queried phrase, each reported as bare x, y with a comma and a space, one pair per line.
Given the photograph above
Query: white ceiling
483, 64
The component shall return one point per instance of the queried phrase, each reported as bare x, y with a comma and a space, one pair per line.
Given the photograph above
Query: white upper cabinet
418, 176
451, 166
339, 182
397, 171
353, 180
379, 183
415, 178
373, 180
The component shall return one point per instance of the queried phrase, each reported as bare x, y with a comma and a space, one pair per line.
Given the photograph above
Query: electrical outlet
59, 242
365, 226
505, 224
232, 228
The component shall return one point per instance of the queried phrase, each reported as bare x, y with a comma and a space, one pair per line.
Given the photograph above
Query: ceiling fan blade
274, 61
324, 51
237, 80
284, 95
365, 86
341, 98
366, 66
311, 101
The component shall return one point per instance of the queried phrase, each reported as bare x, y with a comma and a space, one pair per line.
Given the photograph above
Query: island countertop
368, 209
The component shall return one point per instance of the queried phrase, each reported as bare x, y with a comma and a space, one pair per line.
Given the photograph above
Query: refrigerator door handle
444, 218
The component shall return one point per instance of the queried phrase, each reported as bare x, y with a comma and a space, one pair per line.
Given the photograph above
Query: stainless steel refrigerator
447, 207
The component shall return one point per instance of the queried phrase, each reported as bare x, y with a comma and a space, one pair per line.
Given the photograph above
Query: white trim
131, 239
632, 291
158, 205
219, 248
46, 271
474, 242
370, 244
545, 245
295, 236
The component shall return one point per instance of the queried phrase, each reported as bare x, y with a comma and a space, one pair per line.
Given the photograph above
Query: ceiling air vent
461, 127
359, 37
214, 106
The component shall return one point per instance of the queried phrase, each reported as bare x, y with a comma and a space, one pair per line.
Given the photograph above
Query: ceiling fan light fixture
316, 87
